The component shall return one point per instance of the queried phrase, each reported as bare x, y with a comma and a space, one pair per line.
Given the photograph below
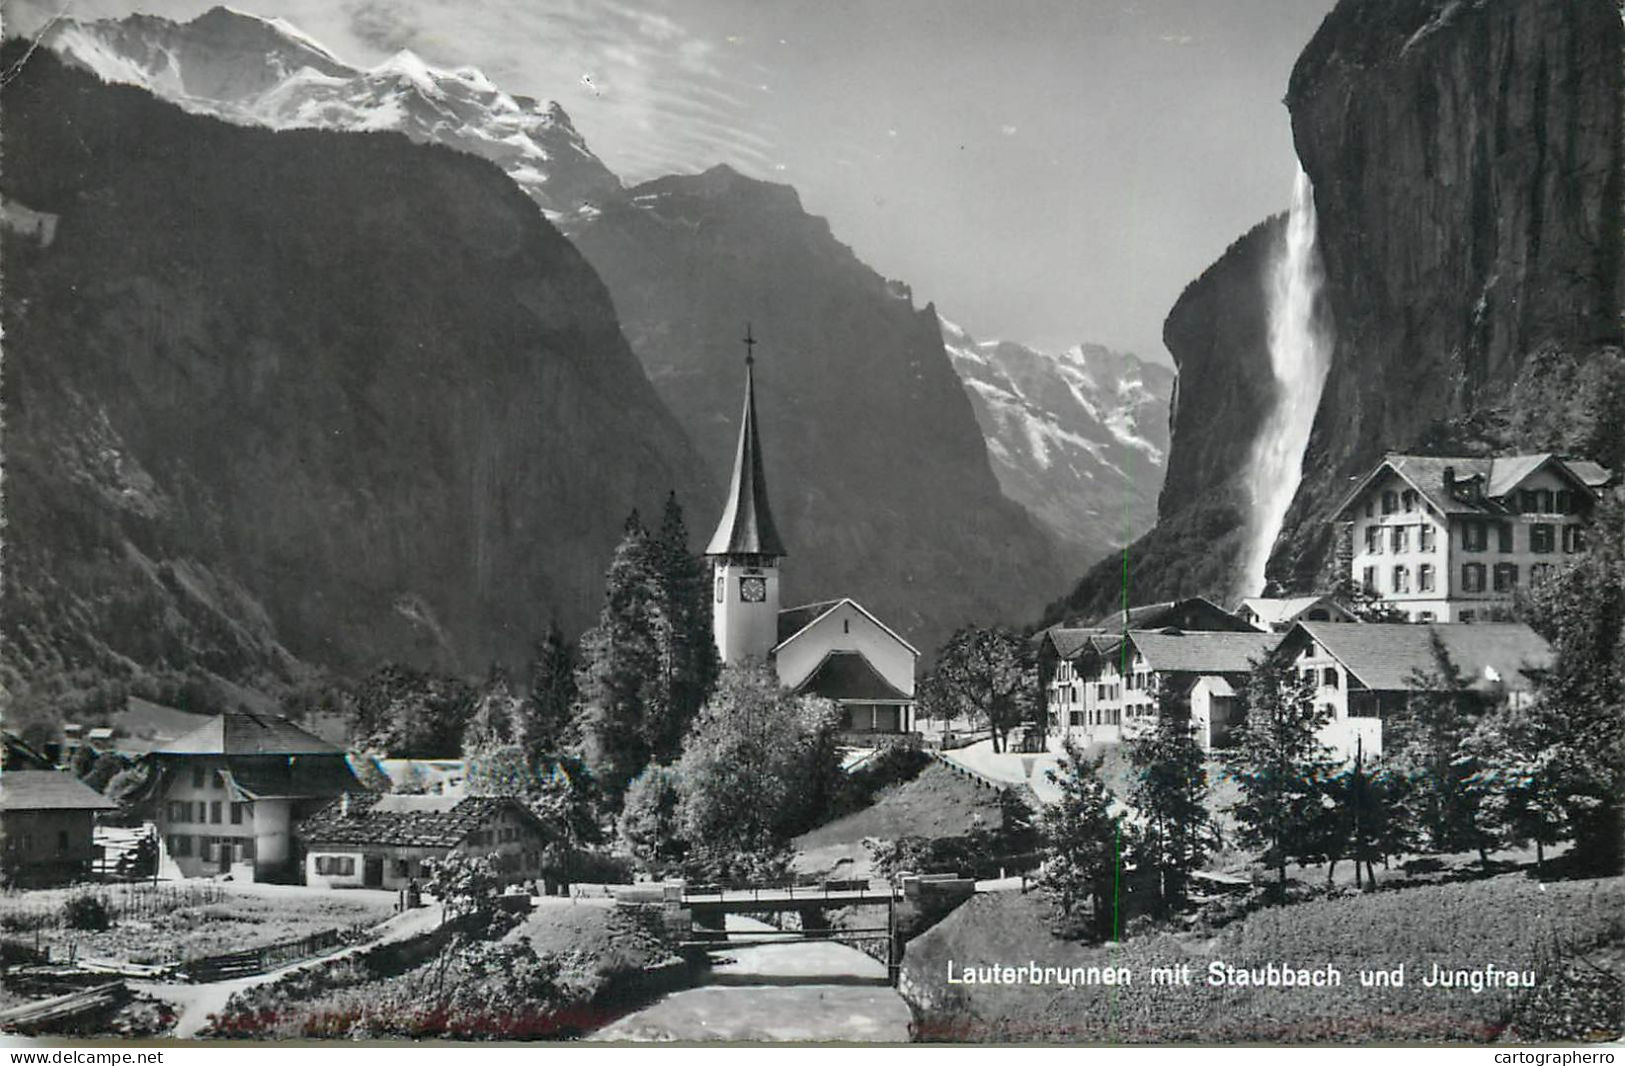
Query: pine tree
1280, 766
1082, 842
1427, 743
689, 663
1170, 796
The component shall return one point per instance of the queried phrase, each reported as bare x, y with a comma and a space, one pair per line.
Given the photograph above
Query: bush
86, 911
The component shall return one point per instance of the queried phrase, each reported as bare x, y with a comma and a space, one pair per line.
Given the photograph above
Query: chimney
344, 805
1450, 481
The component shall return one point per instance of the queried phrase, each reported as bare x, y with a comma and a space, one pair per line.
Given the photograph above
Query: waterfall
1300, 353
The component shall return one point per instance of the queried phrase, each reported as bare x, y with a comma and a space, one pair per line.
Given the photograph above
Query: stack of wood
65, 1012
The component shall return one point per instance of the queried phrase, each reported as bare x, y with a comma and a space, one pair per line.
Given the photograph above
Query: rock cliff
299, 397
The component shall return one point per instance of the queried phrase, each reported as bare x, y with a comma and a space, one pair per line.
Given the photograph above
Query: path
779, 992
195, 1003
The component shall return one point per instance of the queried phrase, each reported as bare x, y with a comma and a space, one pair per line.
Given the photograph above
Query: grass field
1511, 921
170, 922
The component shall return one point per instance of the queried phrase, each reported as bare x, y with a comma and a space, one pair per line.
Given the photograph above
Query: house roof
297, 777
49, 790
1274, 611
406, 821
1202, 652
1500, 475
794, 621
242, 733
18, 755
1217, 684
1068, 642
849, 675
1386, 656
1186, 613
746, 526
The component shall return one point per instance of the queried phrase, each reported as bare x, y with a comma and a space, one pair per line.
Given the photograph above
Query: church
834, 648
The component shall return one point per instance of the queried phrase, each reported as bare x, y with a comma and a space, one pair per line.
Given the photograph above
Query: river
776, 992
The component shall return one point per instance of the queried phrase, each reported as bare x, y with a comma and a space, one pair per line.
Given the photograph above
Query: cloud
388, 27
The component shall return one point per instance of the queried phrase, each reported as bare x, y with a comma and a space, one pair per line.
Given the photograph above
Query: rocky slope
878, 473
265, 72
1078, 438
1467, 162
258, 415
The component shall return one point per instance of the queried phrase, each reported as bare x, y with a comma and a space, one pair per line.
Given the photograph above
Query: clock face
752, 589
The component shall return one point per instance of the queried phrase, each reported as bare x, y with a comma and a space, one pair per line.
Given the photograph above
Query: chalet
1127, 684
835, 648
1059, 652
226, 796
1451, 539
1365, 673
385, 841
1191, 613
47, 826
1280, 615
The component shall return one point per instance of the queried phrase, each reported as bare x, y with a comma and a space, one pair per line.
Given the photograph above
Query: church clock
753, 589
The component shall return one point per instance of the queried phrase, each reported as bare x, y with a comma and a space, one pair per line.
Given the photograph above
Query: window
1370, 507
1424, 577
1474, 536
1565, 502
1368, 580
237, 814
1074, 718
1407, 499
335, 865
1402, 539
1328, 677
1472, 577
1425, 616
722, 584
1402, 579
1574, 539
1390, 502
1424, 537
201, 810
403, 868
205, 850
1541, 537
1373, 540
180, 846
1469, 616
214, 812
180, 811
1503, 533
1546, 502
197, 776
1528, 503
1506, 577
1539, 572
217, 780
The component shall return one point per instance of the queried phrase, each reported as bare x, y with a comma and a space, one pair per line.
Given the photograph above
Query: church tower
746, 549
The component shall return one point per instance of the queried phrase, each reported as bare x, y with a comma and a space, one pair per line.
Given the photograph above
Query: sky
1046, 171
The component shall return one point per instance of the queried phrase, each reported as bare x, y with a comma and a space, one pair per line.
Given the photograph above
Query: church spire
747, 525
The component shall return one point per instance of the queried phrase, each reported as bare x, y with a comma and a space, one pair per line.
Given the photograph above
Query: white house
1450, 539
835, 648
1279, 615
386, 841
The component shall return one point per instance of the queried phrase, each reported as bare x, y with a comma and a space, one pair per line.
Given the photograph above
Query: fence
260, 960
136, 900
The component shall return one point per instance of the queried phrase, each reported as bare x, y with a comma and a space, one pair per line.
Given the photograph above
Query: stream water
776, 992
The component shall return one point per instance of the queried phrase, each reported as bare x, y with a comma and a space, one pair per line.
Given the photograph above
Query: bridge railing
778, 893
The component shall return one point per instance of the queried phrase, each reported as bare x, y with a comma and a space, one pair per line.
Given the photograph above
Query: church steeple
746, 548
747, 525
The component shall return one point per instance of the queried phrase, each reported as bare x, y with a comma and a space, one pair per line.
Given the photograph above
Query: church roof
747, 525
849, 675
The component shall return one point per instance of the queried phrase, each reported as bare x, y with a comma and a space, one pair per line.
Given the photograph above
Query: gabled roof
1385, 656
241, 733
746, 526
1499, 476
849, 675
810, 614
1197, 652
1595, 475
406, 821
297, 777
18, 755
1272, 611
1193, 612
1068, 642
49, 790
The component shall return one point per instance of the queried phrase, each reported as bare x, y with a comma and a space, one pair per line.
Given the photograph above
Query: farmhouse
47, 826
1451, 539
835, 649
1363, 674
226, 795
1126, 684
384, 842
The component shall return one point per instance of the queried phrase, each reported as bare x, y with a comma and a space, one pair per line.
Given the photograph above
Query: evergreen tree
1082, 842
1280, 766
496, 712
688, 656
621, 665
1426, 742
1523, 788
1364, 820
1170, 796
544, 721
650, 825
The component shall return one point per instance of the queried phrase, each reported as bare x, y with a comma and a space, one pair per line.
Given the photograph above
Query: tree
1363, 817
495, 714
1426, 741
1170, 796
410, 714
84, 760
1521, 786
989, 676
1366, 605
1082, 843
544, 721
466, 885
557, 789
1580, 609
687, 648
650, 825
754, 765
1280, 765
